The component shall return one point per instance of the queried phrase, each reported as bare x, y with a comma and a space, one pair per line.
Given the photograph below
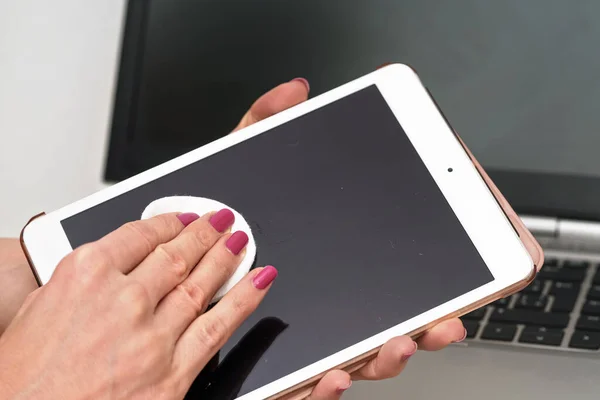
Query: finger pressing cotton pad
201, 206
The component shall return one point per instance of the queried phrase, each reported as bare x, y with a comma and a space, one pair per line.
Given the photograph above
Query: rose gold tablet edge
303, 390
26, 252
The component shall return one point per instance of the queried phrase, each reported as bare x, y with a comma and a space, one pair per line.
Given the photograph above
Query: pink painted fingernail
237, 242
463, 337
304, 81
342, 389
222, 220
187, 218
265, 277
408, 355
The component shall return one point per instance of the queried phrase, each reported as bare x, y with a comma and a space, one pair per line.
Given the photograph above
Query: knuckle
212, 333
225, 265
135, 299
203, 239
241, 305
88, 264
169, 222
195, 295
173, 259
142, 232
87, 255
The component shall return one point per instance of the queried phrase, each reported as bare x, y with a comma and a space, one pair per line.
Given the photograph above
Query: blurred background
514, 77
102, 90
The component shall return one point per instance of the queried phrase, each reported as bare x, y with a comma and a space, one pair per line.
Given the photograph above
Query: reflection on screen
340, 202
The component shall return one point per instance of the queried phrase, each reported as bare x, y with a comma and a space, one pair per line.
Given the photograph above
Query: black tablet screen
340, 202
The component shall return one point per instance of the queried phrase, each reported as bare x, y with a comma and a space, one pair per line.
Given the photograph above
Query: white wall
57, 64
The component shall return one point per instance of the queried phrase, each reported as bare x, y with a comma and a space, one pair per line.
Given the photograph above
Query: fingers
332, 386
276, 100
170, 263
127, 246
441, 335
394, 354
208, 333
390, 361
192, 296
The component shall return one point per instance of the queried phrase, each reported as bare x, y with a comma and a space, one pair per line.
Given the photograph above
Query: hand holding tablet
381, 222
145, 332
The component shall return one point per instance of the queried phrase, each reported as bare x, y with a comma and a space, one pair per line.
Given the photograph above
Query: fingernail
265, 277
463, 337
187, 218
342, 389
237, 242
408, 355
222, 220
304, 81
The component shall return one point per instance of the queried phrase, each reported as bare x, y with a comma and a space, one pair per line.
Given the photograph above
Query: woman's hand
391, 359
393, 356
124, 317
16, 280
41, 354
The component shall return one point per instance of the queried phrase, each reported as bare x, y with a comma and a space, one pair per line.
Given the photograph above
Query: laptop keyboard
560, 310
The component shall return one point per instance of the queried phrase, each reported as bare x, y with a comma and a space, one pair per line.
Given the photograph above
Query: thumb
276, 100
332, 386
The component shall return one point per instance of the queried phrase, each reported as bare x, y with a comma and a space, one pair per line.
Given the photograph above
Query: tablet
364, 199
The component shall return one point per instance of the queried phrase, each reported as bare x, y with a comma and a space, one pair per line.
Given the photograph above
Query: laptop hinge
541, 226
563, 234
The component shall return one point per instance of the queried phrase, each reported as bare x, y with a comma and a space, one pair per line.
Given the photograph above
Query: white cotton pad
201, 206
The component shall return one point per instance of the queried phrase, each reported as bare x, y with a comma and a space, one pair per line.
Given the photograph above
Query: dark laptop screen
518, 80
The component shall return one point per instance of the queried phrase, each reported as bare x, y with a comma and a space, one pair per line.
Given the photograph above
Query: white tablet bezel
464, 189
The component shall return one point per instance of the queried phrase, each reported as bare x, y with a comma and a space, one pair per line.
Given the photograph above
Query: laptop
518, 80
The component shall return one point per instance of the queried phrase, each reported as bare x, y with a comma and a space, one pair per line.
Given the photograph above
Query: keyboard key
589, 323
550, 262
475, 315
562, 274
501, 332
532, 302
565, 288
591, 307
541, 336
594, 292
541, 329
535, 287
530, 317
576, 264
472, 327
563, 304
585, 340
597, 277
